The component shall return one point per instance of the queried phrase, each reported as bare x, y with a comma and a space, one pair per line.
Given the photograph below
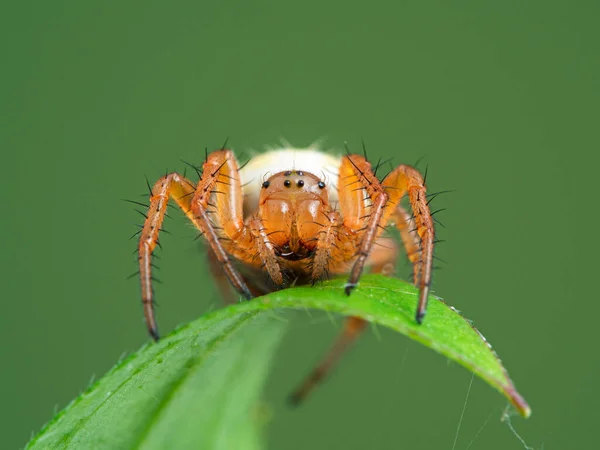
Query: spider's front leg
181, 190
217, 205
382, 260
368, 205
214, 206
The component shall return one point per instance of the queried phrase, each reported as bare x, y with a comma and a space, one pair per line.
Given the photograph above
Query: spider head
290, 205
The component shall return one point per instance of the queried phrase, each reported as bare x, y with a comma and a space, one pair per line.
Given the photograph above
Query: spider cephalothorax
291, 204
296, 216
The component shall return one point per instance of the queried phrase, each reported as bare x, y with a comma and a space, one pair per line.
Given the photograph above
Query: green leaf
200, 386
197, 388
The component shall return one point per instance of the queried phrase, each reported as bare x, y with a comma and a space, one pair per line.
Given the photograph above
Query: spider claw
420, 316
154, 334
348, 287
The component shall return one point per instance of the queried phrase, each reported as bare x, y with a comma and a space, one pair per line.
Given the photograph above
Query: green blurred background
501, 99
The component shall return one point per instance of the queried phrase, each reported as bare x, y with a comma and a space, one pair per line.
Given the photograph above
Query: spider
291, 217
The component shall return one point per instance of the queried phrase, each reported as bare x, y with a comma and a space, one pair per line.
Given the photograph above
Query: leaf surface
200, 387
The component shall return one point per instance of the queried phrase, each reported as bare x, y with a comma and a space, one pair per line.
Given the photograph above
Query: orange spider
295, 216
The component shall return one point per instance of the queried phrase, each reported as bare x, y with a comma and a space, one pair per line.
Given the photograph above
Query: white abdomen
263, 166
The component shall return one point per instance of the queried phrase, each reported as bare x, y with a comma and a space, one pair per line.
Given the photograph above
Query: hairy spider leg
405, 224
362, 204
218, 207
367, 215
367, 206
215, 207
407, 179
181, 190
228, 295
219, 195
220, 184
353, 326
383, 258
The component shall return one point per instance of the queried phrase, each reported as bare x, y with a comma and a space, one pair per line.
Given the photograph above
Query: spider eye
321, 185
266, 184
300, 183
300, 173
287, 183
287, 173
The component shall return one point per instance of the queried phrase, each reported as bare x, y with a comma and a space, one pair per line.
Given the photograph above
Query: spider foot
349, 287
154, 334
246, 296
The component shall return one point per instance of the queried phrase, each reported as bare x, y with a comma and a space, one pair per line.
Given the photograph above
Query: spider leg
412, 243
228, 295
383, 260
362, 204
353, 326
407, 179
179, 189
219, 193
367, 205
218, 207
